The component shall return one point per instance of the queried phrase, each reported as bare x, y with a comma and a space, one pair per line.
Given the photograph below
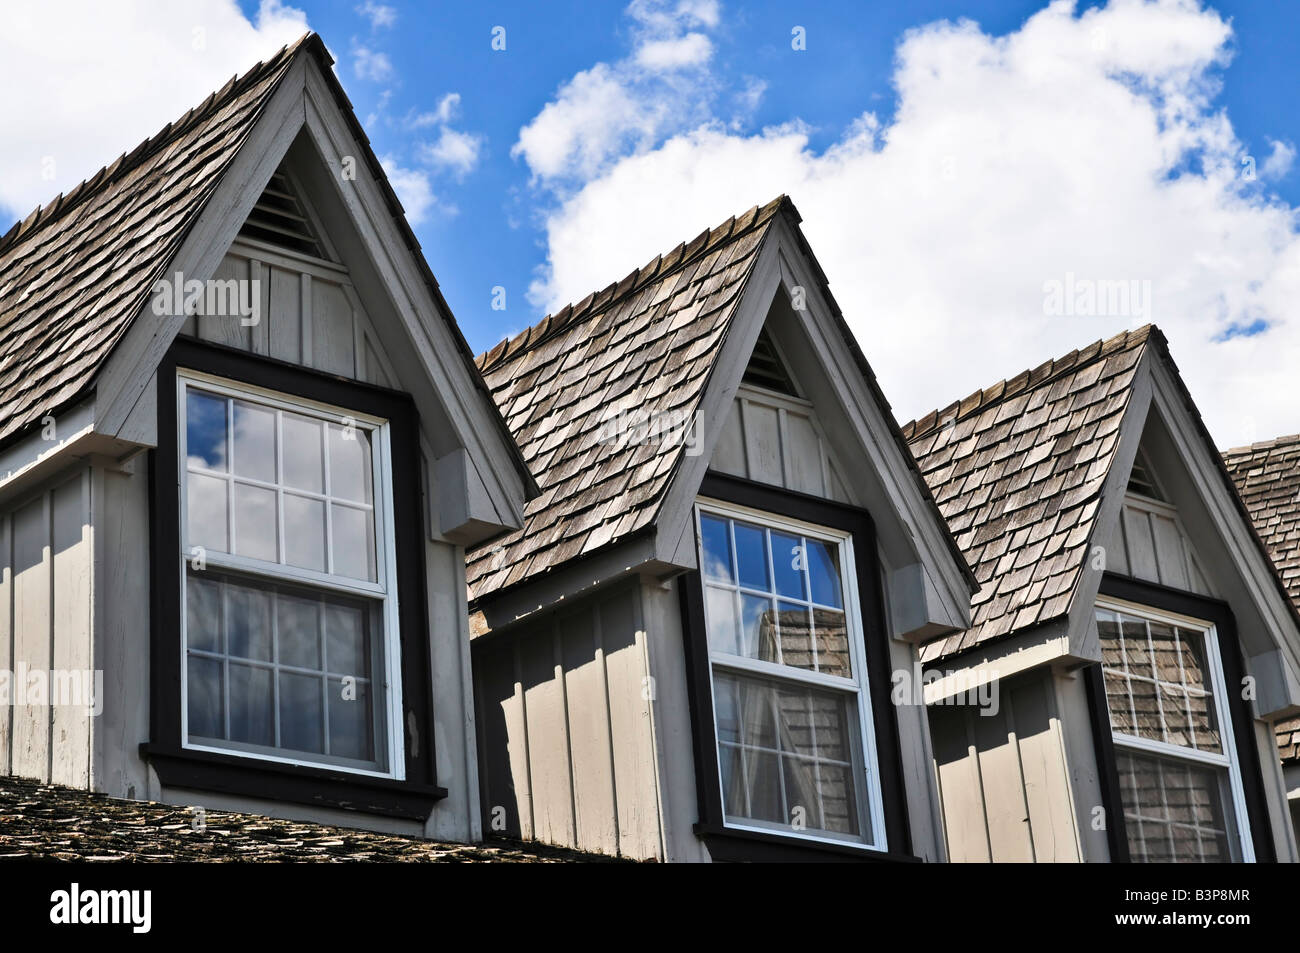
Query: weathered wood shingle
641, 350
1017, 470
75, 272
1268, 478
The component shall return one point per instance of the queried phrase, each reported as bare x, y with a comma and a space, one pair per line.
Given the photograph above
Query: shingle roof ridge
1027, 379
1287, 440
43, 215
656, 269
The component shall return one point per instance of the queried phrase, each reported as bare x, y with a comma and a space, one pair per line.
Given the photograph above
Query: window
289, 598
792, 712
1180, 782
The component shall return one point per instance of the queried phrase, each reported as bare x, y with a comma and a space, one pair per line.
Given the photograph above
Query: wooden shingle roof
1268, 478
643, 347
1017, 470
75, 272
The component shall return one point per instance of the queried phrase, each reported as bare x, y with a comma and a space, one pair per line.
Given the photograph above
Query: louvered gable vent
280, 218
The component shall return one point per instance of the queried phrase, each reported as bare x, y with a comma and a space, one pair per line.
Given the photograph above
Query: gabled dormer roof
646, 348
76, 273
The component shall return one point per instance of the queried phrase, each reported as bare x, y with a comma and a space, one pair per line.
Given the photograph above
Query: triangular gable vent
280, 218
766, 369
1142, 481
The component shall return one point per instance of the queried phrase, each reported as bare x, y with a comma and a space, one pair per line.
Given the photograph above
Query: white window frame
1230, 759
867, 768
385, 682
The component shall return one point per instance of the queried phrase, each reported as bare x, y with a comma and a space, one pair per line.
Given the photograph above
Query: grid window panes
285, 609
1176, 772
788, 695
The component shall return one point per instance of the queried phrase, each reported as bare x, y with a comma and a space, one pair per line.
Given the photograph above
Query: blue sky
953, 160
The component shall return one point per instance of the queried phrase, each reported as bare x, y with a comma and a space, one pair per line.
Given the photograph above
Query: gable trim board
303, 96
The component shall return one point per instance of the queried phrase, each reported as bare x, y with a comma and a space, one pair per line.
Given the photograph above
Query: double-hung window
289, 621
1180, 780
792, 711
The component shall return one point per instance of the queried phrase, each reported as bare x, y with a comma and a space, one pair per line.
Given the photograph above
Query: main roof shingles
1017, 471
1268, 478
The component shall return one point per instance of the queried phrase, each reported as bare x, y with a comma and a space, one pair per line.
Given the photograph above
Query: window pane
751, 557
354, 542
205, 430
831, 635
205, 507
304, 462
720, 620
716, 544
350, 467
304, 532
758, 635
350, 709
255, 526
302, 715
839, 799
248, 622
254, 442
203, 614
204, 693
1174, 811
788, 561
762, 780
347, 648
804, 805
796, 635
298, 631
824, 573
251, 718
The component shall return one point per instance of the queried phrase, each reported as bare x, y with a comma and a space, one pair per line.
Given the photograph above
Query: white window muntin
864, 742
1219, 693
386, 680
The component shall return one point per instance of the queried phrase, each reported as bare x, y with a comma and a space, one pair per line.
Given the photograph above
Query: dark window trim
1218, 613
177, 766
727, 843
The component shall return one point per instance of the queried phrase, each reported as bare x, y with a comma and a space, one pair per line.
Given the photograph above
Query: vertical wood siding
1151, 544
774, 439
310, 315
1003, 777
46, 568
566, 749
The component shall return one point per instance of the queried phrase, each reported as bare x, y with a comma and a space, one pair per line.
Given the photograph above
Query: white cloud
379, 14
1079, 144
78, 98
1279, 161
413, 189
371, 64
693, 49
611, 109
457, 152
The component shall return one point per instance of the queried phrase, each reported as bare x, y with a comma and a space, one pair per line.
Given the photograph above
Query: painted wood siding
45, 629
310, 314
774, 439
1151, 544
566, 748
1003, 777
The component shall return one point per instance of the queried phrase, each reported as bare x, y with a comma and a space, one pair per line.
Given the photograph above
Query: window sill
317, 787
733, 844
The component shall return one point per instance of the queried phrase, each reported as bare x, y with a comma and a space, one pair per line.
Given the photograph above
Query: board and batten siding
566, 745
310, 314
1150, 544
46, 567
774, 439
1003, 777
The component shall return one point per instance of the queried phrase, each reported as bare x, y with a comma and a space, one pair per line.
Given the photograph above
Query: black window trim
1219, 614
412, 798
728, 843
